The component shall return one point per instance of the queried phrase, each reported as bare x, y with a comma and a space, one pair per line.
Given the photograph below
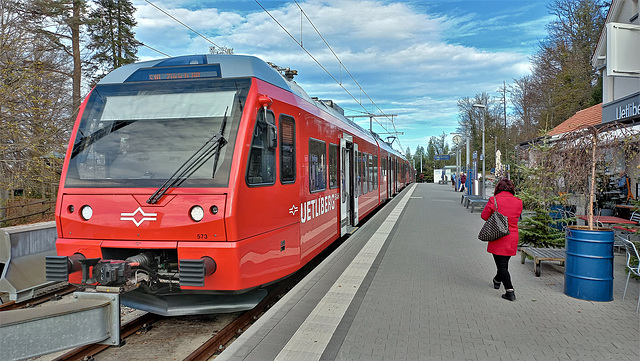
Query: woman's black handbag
497, 226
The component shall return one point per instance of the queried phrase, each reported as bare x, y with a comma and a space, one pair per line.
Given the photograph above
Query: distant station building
617, 57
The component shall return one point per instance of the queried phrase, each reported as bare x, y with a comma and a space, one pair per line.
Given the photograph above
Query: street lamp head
479, 106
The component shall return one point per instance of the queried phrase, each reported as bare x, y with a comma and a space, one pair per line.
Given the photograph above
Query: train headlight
86, 212
196, 213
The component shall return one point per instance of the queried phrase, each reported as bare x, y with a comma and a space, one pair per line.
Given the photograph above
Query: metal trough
22, 260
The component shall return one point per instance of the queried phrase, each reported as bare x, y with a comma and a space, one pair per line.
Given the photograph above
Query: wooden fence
32, 211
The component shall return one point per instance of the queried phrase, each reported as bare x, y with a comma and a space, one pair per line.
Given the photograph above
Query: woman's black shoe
509, 295
496, 285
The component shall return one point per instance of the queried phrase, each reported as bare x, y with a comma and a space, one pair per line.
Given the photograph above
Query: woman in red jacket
507, 246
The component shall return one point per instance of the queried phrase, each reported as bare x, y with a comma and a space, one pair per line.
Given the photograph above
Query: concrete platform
414, 283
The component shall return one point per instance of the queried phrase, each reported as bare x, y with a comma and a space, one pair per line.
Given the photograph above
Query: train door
354, 194
348, 195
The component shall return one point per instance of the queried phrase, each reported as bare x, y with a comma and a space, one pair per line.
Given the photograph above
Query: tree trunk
592, 186
77, 61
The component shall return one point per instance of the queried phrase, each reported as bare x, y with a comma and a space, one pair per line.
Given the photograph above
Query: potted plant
589, 249
544, 205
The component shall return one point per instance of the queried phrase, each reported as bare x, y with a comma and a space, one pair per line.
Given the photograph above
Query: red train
196, 178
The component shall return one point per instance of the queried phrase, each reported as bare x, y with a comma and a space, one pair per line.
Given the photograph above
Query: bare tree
526, 107
34, 106
578, 153
564, 79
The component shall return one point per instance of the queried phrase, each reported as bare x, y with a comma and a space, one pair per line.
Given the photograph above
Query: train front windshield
138, 134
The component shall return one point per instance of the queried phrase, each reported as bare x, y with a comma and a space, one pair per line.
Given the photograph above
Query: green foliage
537, 187
112, 39
541, 230
537, 184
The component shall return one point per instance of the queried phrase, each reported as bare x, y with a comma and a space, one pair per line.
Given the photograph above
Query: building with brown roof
586, 117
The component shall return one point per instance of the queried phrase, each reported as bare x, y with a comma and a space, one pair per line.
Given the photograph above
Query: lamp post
484, 175
467, 164
457, 139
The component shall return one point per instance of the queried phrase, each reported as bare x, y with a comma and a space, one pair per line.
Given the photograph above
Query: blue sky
415, 59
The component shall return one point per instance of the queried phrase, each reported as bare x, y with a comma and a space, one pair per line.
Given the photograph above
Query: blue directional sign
442, 157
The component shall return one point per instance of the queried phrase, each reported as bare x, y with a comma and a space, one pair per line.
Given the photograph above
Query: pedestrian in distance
463, 181
622, 185
453, 180
506, 247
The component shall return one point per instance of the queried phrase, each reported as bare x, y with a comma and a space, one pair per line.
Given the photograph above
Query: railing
26, 211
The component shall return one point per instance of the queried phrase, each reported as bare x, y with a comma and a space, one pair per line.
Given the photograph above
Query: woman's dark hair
505, 185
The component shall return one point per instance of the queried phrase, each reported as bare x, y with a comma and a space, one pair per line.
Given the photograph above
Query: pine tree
537, 188
111, 37
60, 23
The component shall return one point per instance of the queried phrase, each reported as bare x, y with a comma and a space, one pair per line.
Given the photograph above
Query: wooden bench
476, 202
542, 254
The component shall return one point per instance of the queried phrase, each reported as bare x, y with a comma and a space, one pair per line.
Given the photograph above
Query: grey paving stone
429, 296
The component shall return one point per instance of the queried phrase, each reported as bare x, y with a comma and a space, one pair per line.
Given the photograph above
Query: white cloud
410, 62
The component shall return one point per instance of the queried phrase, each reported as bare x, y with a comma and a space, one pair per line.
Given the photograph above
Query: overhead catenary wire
156, 50
345, 68
299, 43
183, 24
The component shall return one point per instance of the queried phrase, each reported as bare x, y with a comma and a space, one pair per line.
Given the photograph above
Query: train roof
229, 66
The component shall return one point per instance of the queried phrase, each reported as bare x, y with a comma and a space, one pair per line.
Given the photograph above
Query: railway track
12, 305
88, 351
207, 349
149, 344
149, 340
220, 340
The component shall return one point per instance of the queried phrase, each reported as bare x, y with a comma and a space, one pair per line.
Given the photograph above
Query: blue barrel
588, 270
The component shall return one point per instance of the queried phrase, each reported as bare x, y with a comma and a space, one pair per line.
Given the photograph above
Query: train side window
367, 170
333, 166
262, 157
365, 183
287, 149
383, 168
370, 170
365, 176
359, 165
317, 165
357, 173
375, 172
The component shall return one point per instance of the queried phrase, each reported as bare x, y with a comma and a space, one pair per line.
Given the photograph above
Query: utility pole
484, 174
371, 116
503, 91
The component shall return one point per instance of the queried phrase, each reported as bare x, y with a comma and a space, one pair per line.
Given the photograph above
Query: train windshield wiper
210, 148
